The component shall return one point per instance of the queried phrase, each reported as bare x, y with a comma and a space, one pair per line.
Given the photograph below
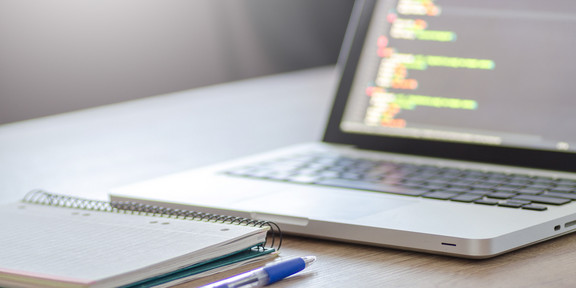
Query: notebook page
88, 245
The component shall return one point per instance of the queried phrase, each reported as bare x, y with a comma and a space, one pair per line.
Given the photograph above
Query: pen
265, 275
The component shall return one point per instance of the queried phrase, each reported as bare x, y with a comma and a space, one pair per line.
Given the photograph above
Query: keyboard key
440, 195
543, 199
560, 195
480, 191
338, 169
379, 187
510, 204
563, 189
487, 201
500, 195
441, 181
350, 176
530, 190
458, 190
463, 183
495, 181
523, 202
484, 186
519, 183
535, 207
308, 171
328, 174
566, 182
541, 186
414, 182
466, 197
434, 186
511, 187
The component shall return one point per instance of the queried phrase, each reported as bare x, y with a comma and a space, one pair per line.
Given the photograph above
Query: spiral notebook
51, 240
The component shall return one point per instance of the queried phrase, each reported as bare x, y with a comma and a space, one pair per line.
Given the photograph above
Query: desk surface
86, 153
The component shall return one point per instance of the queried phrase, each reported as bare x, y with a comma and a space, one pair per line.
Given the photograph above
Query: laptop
451, 133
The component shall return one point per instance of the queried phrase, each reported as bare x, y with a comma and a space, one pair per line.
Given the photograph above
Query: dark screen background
530, 90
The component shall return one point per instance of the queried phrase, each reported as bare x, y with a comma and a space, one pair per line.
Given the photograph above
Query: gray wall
62, 55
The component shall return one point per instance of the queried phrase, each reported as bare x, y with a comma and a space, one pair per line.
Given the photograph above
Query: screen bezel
351, 51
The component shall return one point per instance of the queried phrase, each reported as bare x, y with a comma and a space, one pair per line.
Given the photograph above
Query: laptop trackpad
323, 204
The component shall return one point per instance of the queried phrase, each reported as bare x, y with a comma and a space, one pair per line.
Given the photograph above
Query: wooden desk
88, 152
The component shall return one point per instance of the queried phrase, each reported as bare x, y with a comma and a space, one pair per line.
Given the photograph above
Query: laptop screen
487, 73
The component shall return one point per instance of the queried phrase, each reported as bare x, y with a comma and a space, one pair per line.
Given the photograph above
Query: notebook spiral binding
45, 198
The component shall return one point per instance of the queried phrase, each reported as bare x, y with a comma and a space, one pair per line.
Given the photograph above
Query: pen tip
309, 260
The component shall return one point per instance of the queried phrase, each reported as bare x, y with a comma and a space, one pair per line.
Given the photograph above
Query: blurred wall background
63, 55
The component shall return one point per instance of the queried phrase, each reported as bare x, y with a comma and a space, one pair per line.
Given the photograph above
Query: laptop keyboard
442, 183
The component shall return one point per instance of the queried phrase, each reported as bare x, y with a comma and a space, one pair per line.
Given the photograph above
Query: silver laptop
452, 132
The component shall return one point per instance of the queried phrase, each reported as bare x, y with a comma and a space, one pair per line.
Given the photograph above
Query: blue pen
265, 275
